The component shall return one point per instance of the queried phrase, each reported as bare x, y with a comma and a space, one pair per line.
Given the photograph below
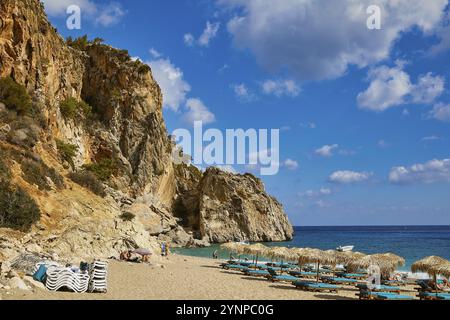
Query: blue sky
364, 114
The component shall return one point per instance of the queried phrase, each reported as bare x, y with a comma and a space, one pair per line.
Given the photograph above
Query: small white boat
244, 242
344, 248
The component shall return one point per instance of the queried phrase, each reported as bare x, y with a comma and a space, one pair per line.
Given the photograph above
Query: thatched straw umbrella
432, 265
256, 250
387, 262
344, 258
282, 253
316, 256
233, 247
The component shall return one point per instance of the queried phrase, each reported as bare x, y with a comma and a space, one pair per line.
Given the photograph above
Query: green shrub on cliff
17, 209
71, 108
67, 152
103, 169
14, 96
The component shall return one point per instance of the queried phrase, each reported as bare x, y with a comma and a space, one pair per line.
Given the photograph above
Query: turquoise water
410, 242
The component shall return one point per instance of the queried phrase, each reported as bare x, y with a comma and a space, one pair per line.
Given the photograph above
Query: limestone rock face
233, 207
169, 202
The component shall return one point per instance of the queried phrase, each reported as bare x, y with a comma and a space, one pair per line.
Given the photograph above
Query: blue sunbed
363, 294
256, 273
352, 275
434, 296
315, 286
302, 273
385, 288
234, 267
338, 280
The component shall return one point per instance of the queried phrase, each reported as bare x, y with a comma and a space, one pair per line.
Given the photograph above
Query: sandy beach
182, 277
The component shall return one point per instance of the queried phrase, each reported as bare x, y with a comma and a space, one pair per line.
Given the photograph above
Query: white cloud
243, 93
441, 112
326, 150
383, 144
286, 34
209, 33
390, 87
427, 89
308, 125
110, 14
429, 172
314, 194
290, 164
346, 177
431, 138
281, 87
155, 54
170, 79
188, 39
197, 111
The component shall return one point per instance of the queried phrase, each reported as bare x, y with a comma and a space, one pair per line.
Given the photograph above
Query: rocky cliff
93, 153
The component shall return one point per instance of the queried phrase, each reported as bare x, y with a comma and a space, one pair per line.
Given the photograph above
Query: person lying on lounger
137, 255
443, 286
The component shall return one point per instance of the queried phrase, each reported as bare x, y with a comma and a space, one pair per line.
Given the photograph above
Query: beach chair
237, 267
66, 278
302, 274
374, 295
98, 272
339, 280
357, 276
274, 277
315, 286
378, 288
256, 273
433, 296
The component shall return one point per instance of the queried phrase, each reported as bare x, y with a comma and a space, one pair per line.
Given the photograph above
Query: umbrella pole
318, 267
256, 264
281, 271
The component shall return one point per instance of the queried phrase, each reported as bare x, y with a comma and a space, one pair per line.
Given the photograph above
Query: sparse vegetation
37, 173
127, 216
71, 108
14, 96
80, 43
103, 169
17, 209
67, 152
24, 131
88, 180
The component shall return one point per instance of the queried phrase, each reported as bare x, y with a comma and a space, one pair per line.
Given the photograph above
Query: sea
410, 242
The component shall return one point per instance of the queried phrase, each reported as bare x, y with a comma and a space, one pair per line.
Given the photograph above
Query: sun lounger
372, 295
352, 275
274, 277
338, 280
256, 273
434, 296
315, 286
98, 276
59, 278
234, 267
306, 274
384, 288
390, 296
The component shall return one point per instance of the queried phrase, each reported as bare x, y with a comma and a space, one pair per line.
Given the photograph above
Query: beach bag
41, 274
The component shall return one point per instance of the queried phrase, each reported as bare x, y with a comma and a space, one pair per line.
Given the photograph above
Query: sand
181, 277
